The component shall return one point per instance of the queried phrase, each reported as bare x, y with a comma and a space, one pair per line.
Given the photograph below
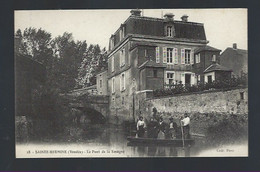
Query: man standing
152, 128
185, 122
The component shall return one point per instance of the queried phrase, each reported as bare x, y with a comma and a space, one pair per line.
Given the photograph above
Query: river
110, 141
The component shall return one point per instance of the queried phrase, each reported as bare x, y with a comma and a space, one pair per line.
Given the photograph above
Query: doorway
209, 79
187, 79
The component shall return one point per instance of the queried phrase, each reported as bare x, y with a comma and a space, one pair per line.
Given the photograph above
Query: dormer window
214, 58
111, 42
122, 32
169, 31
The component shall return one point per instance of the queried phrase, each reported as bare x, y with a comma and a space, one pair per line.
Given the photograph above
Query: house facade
101, 83
150, 53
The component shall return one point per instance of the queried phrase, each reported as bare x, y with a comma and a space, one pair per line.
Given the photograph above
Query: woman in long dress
140, 127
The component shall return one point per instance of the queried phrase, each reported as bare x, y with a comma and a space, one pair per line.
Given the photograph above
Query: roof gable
151, 63
216, 67
205, 48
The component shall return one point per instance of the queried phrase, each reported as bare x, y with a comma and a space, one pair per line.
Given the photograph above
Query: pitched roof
205, 48
216, 67
241, 52
151, 63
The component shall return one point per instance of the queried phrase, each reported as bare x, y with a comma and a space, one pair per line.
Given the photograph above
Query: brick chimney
168, 16
184, 18
135, 12
235, 46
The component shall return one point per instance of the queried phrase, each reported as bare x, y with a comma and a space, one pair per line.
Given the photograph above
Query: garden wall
229, 102
206, 109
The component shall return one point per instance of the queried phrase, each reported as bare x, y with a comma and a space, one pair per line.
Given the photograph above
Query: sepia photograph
113, 83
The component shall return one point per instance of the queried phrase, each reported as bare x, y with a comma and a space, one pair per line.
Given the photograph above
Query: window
187, 56
123, 100
242, 95
113, 85
170, 55
122, 57
169, 31
170, 78
155, 73
122, 33
214, 58
122, 82
111, 42
112, 64
100, 83
197, 58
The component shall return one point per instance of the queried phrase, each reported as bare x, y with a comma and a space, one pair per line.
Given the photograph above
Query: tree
69, 55
35, 43
94, 61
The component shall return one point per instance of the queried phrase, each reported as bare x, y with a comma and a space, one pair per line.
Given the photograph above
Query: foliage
221, 128
69, 64
65, 60
94, 61
222, 84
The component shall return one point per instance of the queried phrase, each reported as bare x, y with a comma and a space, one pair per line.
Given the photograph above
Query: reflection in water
141, 150
152, 150
113, 139
173, 151
161, 151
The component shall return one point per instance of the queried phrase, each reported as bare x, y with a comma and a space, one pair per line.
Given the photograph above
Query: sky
223, 27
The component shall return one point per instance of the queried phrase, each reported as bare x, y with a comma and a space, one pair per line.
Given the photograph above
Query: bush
227, 129
173, 89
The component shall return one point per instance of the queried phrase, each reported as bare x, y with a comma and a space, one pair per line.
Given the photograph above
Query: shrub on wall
179, 88
220, 128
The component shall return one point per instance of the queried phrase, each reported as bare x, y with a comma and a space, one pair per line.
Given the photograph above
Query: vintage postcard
131, 83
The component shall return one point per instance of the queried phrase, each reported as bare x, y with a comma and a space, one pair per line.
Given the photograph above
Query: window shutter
164, 55
124, 81
166, 81
176, 55
192, 57
123, 57
192, 79
121, 80
182, 56
157, 54
112, 64
183, 78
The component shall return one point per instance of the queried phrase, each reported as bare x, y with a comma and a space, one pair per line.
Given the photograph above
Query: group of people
158, 128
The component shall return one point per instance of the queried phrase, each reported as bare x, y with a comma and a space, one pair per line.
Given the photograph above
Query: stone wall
215, 101
206, 109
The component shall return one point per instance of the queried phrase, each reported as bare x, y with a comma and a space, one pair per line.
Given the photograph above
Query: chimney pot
169, 16
135, 12
235, 46
184, 18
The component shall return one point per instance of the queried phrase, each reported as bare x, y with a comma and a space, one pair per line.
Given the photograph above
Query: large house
148, 53
235, 59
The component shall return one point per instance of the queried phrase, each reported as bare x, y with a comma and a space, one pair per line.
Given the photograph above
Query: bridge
93, 107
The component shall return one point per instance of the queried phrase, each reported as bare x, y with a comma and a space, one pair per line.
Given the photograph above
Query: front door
209, 79
187, 79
